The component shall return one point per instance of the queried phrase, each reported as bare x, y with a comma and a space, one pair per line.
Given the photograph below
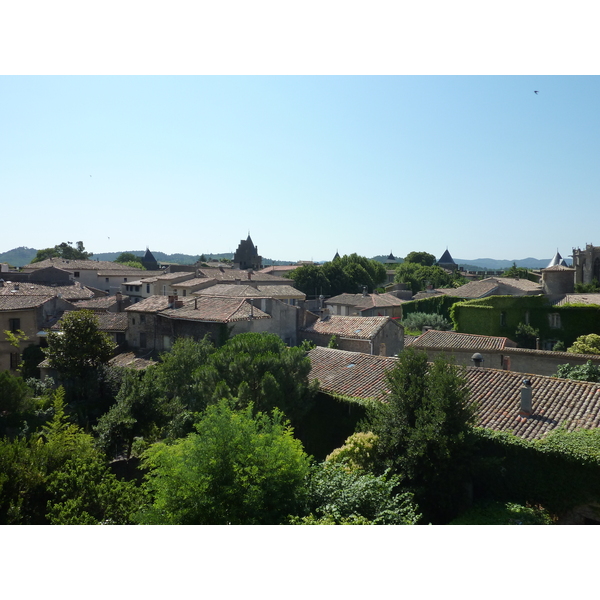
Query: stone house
365, 305
31, 314
587, 264
285, 293
371, 335
155, 323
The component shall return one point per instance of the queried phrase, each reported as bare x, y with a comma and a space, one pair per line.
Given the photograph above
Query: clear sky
308, 165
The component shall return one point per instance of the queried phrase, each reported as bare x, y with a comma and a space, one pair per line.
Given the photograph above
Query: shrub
417, 320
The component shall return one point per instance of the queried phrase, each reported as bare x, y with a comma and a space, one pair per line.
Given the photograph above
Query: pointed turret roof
557, 260
446, 259
337, 255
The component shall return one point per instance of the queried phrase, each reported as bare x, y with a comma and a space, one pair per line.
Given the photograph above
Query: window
124, 278
526, 317
147, 288
142, 340
554, 320
14, 360
76, 274
14, 325
142, 318
133, 321
184, 293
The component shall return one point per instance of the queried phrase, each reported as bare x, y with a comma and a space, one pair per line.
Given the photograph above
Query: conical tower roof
557, 260
446, 259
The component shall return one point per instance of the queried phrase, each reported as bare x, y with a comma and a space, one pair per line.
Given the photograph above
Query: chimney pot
526, 399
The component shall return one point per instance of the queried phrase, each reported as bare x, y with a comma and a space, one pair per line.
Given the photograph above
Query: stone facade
587, 264
246, 256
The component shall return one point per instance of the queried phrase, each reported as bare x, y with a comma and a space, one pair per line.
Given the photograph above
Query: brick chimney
178, 304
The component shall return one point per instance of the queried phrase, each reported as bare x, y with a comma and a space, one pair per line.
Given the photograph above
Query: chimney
171, 299
321, 301
16, 287
364, 291
506, 363
119, 299
249, 275
324, 314
238, 281
526, 399
477, 359
178, 304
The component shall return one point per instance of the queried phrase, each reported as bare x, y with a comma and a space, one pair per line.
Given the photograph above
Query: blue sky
308, 165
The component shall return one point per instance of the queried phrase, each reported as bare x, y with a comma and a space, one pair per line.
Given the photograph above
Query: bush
417, 320
586, 344
497, 513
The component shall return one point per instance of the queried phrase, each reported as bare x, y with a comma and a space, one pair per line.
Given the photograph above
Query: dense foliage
587, 372
504, 513
586, 344
417, 321
238, 469
347, 274
420, 276
424, 431
64, 250
420, 258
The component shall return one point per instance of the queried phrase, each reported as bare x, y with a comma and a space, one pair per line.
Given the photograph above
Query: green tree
424, 431
14, 393
587, 372
259, 369
586, 344
420, 258
64, 250
237, 469
57, 476
77, 353
515, 271
419, 276
587, 288
310, 279
338, 496
127, 257
526, 336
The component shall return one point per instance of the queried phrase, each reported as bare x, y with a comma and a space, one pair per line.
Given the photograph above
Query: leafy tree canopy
587, 372
419, 276
514, 271
424, 430
586, 344
526, 335
258, 369
337, 496
64, 250
237, 469
80, 346
420, 258
347, 274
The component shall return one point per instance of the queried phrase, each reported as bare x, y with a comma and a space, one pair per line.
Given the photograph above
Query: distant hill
492, 264
17, 257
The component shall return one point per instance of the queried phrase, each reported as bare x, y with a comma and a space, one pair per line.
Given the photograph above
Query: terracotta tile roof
215, 309
107, 321
559, 268
152, 304
78, 265
461, 341
365, 302
362, 328
501, 285
577, 299
350, 374
249, 291
129, 272
131, 361
22, 302
104, 303
497, 393
177, 275
279, 269
190, 283
24, 288
232, 274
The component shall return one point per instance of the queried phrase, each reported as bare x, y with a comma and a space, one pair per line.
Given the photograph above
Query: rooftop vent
477, 359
